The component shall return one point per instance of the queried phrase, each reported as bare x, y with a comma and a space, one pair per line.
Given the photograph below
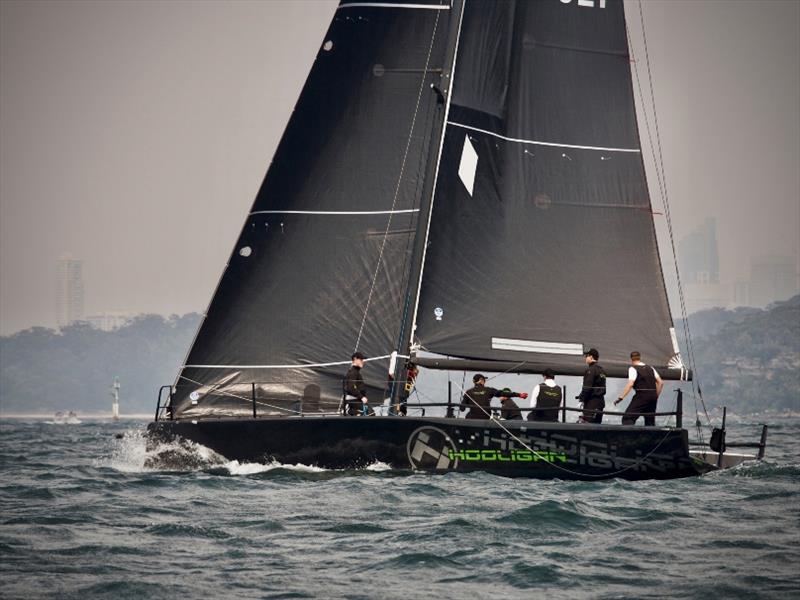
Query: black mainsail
321, 266
542, 240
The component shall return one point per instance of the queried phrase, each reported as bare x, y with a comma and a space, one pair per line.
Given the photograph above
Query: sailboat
461, 187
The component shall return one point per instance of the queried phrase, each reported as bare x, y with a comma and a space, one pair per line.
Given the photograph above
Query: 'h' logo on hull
430, 448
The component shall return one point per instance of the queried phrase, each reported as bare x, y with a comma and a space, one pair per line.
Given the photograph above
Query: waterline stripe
388, 5
540, 143
334, 212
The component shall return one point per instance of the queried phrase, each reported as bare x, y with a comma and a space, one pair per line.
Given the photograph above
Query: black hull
438, 445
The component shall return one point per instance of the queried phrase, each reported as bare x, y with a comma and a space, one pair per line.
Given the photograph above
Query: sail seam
335, 212
541, 143
389, 5
304, 366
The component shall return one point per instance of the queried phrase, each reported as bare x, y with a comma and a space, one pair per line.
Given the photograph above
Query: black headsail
542, 241
321, 267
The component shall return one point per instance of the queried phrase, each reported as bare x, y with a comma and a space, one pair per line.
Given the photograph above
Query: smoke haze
135, 135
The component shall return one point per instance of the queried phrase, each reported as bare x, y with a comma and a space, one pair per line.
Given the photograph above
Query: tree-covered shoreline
44, 370
747, 359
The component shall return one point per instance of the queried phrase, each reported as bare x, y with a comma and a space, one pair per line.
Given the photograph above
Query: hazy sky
134, 135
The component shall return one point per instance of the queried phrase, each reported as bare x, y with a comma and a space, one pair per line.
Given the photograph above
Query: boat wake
61, 418
134, 452
234, 467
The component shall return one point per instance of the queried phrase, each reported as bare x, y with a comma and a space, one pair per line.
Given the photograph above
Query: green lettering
523, 455
472, 455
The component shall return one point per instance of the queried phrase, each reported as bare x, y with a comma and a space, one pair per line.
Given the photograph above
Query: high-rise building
698, 259
772, 278
698, 256
69, 291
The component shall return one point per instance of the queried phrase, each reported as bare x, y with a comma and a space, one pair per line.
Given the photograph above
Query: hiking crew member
593, 392
647, 384
479, 398
355, 392
547, 396
510, 410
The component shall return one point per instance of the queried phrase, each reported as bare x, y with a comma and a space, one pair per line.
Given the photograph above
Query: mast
406, 335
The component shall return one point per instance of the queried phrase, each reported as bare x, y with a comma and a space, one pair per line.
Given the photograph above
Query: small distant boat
70, 418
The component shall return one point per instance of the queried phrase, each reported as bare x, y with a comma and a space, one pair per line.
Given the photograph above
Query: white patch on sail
469, 165
676, 362
674, 338
532, 346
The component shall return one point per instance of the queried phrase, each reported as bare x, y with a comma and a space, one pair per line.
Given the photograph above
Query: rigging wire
658, 160
399, 181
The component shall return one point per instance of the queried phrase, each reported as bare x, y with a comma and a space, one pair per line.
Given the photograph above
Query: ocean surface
82, 517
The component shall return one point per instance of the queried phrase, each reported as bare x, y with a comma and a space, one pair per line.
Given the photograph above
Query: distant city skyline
772, 278
69, 296
135, 135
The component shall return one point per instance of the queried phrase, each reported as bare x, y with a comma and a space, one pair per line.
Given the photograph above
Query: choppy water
82, 517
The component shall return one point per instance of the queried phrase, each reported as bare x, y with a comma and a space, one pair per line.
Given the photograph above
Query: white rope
399, 180
303, 366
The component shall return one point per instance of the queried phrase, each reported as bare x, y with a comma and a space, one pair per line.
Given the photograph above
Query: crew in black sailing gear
510, 411
593, 392
355, 392
645, 380
547, 396
479, 398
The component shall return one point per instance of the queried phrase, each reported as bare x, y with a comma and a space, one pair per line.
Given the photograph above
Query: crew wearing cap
355, 392
647, 384
478, 399
593, 391
510, 411
547, 396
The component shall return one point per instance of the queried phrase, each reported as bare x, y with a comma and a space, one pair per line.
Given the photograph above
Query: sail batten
541, 142
336, 212
393, 5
